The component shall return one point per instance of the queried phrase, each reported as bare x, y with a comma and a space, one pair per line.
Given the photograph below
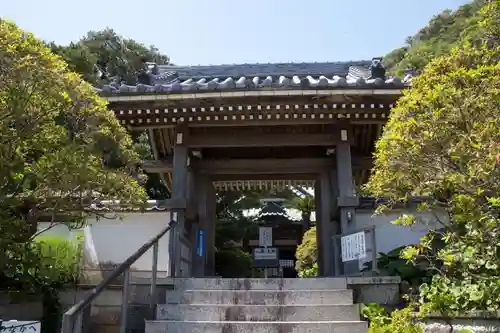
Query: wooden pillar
337, 262
346, 201
326, 225
319, 226
204, 265
179, 191
199, 259
210, 236
191, 224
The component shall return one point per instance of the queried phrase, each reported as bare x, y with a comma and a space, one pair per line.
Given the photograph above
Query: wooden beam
265, 122
158, 166
247, 167
238, 185
172, 204
263, 177
262, 140
264, 166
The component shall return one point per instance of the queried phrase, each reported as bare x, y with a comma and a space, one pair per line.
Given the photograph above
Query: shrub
233, 263
309, 272
59, 258
307, 253
399, 321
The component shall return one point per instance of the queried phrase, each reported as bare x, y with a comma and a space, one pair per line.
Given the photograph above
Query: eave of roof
191, 79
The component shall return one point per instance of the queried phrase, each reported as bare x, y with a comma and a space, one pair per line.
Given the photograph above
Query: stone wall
383, 290
16, 306
106, 309
390, 236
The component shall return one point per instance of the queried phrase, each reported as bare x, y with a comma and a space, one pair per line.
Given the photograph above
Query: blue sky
224, 32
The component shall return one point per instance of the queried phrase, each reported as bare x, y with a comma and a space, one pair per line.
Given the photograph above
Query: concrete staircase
319, 305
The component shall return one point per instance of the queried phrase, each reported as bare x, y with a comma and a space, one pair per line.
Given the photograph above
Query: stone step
212, 312
159, 326
261, 297
262, 284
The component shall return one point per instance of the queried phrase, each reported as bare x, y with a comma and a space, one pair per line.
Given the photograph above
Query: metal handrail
74, 319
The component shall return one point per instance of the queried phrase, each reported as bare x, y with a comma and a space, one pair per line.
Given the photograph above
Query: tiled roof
273, 209
292, 214
326, 75
151, 206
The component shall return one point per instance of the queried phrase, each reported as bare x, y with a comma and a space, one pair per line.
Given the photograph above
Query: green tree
443, 140
232, 229
104, 55
57, 142
306, 205
443, 32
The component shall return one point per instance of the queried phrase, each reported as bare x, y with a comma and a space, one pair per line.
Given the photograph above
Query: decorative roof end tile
377, 69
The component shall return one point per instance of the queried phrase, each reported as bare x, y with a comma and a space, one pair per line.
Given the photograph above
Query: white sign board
353, 246
14, 326
268, 253
265, 237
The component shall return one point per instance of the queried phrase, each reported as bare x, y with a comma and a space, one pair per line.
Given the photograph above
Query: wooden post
179, 191
210, 233
319, 227
327, 225
337, 260
191, 209
347, 201
201, 187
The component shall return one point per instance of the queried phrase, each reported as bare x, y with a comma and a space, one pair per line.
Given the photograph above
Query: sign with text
200, 246
265, 236
14, 326
266, 257
353, 246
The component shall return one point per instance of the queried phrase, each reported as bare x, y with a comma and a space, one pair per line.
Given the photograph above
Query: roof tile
327, 75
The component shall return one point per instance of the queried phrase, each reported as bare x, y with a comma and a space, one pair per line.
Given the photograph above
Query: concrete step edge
265, 290
254, 322
260, 305
266, 280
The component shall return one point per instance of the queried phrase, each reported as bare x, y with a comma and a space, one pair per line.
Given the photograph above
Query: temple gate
259, 126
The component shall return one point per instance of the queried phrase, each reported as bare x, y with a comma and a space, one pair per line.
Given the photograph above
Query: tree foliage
307, 253
232, 229
443, 32
306, 205
443, 140
57, 141
104, 55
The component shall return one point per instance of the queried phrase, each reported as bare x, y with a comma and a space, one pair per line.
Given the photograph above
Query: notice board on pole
200, 240
353, 246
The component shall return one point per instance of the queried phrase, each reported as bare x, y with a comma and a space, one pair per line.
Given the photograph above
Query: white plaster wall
114, 240
389, 236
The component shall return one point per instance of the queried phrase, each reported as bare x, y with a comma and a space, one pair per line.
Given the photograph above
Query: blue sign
200, 247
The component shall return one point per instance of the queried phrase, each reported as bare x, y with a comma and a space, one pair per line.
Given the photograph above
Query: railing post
68, 322
172, 248
154, 270
86, 319
78, 328
125, 294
